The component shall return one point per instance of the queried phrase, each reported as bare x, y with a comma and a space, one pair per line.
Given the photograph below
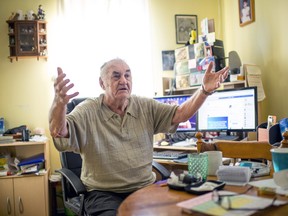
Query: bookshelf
25, 194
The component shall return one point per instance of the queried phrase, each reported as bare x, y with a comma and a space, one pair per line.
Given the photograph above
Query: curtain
87, 33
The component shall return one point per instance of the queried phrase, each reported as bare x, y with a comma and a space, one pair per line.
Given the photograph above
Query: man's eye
116, 76
127, 76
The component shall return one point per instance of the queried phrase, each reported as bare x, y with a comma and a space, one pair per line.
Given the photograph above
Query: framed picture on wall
184, 25
246, 12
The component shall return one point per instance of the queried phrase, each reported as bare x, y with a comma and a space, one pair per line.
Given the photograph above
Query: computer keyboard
169, 155
185, 143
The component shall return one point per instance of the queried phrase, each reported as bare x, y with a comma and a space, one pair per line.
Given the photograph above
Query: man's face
117, 82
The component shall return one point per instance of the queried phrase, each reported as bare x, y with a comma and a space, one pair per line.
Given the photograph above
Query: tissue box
234, 175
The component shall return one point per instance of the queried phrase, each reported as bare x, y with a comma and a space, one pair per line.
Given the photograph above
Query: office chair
73, 189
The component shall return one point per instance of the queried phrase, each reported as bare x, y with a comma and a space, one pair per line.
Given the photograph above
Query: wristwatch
205, 92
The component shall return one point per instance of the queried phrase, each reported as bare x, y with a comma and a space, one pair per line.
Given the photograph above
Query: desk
157, 200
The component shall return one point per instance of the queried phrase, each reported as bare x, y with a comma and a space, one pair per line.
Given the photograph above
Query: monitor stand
228, 136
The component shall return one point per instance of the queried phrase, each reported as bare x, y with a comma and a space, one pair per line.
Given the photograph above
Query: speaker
219, 54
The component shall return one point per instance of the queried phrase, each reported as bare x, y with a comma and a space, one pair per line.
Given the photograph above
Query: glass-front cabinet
27, 39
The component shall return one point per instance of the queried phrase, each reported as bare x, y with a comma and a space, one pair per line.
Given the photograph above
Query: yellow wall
264, 43
26, 87
163, 28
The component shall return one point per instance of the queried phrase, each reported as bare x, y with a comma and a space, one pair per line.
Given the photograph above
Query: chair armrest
165, 173
74, 180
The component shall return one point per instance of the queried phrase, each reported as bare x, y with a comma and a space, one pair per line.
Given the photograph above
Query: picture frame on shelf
168, 60
246, 12
184, 24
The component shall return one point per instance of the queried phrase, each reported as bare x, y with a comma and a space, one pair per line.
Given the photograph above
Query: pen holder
198, 165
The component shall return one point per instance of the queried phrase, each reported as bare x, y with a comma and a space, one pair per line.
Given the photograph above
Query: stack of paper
6, 139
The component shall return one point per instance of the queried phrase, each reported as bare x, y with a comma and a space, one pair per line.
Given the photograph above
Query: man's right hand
57, 116
61, 87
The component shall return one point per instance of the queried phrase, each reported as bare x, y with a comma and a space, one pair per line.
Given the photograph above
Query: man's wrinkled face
117, 82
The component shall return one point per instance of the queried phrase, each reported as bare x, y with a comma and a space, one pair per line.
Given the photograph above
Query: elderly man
114, 132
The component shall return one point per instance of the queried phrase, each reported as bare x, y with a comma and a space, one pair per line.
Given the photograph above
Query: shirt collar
131, 110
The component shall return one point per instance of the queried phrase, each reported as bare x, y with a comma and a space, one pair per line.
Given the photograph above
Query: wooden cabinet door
29, 195
27, 40
6, 197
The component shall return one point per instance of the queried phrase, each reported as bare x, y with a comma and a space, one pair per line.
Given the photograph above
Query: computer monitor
231, 110
188, 126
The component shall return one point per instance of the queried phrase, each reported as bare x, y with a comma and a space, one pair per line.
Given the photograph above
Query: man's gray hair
104, 68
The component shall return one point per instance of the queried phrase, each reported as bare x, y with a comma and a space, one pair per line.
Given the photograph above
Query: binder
35, 159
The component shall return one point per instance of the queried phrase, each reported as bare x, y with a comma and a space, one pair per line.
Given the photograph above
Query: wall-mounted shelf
192, 89
27, 38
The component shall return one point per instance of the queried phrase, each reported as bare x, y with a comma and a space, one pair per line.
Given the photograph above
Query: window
87, 33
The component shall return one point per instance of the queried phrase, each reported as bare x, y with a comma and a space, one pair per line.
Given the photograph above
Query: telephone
257, 168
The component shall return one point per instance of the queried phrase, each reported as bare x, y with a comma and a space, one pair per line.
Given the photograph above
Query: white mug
214, 161
281, 178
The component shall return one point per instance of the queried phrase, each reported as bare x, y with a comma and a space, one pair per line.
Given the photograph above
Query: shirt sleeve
163, 115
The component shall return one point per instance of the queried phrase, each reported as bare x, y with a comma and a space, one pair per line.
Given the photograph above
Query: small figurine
11, 17
20, 15
193, 37
41, 13
30, 15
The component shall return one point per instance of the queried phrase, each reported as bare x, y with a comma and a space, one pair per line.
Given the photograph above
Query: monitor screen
229, 110
189, 125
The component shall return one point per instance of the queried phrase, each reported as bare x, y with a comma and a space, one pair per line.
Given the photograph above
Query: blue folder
35, 159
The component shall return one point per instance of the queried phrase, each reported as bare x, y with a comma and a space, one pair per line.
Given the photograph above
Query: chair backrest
73, 162
238, 149
245, 149
73, 103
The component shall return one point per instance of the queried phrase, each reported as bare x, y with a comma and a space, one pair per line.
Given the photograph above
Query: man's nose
123, 79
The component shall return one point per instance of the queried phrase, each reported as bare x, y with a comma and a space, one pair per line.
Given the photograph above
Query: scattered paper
253, 78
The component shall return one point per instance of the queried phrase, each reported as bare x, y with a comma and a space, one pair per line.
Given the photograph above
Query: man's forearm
57, 121
190, 107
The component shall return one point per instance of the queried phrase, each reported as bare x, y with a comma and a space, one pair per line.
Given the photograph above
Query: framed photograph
184, 25
246, 12
168, 60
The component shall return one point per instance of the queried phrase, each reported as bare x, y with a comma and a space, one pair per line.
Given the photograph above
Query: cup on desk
214, 161
198, 165
279, 159
281, 178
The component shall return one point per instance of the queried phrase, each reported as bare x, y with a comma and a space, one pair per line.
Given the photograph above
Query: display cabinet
25, 195
27, 38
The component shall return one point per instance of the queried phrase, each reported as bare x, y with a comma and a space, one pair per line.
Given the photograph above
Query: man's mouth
122, 89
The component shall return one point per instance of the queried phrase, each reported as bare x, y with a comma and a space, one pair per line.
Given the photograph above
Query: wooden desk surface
161, 201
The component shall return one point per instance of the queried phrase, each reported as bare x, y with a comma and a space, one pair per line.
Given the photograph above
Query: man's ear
101, 83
